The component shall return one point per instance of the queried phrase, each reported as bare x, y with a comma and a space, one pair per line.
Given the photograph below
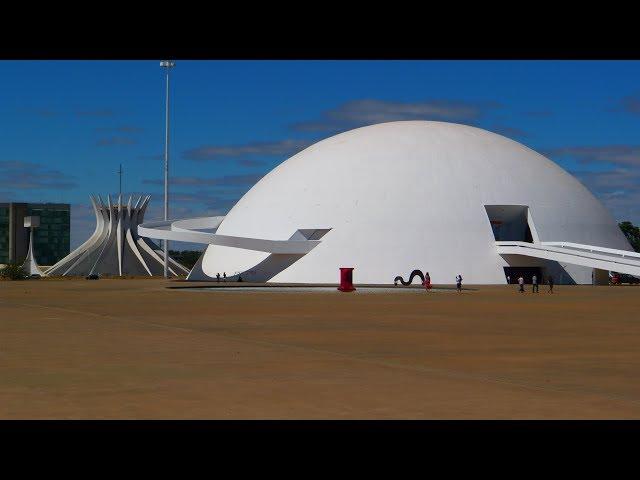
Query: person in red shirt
427, 281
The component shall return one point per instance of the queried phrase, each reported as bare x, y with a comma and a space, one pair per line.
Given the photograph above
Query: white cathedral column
115, 248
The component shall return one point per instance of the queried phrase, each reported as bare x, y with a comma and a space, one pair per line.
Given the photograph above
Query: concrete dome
410, 195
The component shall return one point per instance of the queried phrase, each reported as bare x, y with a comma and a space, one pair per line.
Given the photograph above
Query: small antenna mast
120, 175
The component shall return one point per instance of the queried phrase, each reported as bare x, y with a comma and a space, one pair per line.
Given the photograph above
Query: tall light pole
167, 65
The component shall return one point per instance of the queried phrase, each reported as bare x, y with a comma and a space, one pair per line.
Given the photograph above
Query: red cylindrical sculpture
346, 279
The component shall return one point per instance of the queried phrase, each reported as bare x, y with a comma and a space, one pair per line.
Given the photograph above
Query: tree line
632, 232
187, 258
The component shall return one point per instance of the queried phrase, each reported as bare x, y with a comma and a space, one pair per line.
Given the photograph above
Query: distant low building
51, 239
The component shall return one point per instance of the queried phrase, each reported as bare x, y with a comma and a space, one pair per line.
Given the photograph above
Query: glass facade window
51, 239
4, 234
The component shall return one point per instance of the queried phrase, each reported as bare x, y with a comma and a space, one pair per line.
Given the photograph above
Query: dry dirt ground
135, 349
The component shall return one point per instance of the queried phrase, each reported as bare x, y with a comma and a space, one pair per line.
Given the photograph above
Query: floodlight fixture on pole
167, 65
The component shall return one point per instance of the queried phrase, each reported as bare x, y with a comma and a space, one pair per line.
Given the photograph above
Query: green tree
187, 258
632, 233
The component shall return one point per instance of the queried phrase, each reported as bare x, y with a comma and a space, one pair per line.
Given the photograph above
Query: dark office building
51, 239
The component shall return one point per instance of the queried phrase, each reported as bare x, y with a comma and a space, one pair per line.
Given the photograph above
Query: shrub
13, 271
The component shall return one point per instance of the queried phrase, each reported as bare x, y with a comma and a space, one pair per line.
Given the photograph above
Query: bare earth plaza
135, 349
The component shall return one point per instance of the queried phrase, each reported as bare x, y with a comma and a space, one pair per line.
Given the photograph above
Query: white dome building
439, 197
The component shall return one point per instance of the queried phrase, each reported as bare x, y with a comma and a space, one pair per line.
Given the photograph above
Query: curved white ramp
186, 231
283, 253
621, 261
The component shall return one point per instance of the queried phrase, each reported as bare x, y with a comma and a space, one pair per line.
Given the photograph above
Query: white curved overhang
187, 230
592, 256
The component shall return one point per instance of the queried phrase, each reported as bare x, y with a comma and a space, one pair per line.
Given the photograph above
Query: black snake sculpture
415, 273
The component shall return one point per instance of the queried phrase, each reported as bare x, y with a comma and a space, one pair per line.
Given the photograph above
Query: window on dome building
510, 222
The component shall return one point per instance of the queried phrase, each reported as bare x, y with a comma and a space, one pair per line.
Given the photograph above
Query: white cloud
358, 113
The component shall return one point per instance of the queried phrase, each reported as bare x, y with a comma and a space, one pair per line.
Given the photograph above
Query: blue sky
67, 125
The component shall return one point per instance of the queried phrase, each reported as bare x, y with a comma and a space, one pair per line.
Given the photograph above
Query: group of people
534, 283
224, 277
427, 282
535, 288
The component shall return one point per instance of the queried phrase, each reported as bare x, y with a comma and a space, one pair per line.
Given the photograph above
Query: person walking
508, 279
534, 281
218, 276
427, 281
521, 283
550, 280
459, 283
224, 276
